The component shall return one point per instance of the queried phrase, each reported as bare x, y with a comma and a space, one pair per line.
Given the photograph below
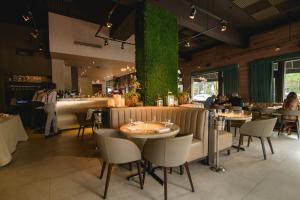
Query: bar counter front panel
66, 110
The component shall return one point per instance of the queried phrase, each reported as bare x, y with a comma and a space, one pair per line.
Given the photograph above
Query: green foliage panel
156, 52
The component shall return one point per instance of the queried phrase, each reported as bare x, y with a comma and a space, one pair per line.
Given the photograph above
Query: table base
150, 171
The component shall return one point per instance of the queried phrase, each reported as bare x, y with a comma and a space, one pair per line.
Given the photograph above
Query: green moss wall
156, 52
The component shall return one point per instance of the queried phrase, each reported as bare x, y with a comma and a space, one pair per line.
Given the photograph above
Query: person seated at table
220, 100
290, 103
209, 102
235, 100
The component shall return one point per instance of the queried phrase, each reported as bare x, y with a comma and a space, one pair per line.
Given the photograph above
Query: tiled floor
64, 168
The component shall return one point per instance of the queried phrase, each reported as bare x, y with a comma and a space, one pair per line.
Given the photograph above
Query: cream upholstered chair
266, 113
168, 153
116, 150
289, 116
261, 129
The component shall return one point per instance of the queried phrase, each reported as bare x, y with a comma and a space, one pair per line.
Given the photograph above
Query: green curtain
231, 81
261, 81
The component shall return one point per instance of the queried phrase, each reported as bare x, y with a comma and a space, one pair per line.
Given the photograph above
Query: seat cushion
196, 149
225, 140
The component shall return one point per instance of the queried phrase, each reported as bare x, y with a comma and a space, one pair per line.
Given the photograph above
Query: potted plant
183, 98
133, 97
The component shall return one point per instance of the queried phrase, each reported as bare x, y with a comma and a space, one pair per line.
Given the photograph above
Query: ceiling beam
202, 22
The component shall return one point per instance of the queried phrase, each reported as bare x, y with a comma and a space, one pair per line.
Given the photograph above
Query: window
204, 85
292, 77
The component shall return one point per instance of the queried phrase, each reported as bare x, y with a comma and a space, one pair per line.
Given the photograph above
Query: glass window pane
205, 85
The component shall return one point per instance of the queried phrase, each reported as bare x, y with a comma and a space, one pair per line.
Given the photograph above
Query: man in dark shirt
235, 100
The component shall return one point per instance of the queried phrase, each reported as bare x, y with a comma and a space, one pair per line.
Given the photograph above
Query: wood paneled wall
260, 46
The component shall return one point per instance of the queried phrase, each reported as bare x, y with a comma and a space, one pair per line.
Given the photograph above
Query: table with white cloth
149, 130
11, 132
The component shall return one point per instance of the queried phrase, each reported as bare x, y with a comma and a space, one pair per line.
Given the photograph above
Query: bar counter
67, 108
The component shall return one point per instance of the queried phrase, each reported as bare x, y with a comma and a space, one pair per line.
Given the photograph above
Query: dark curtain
261, 81
231, 80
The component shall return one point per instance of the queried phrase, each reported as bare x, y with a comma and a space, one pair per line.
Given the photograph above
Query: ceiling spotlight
105, 42
277, 48
187, 44
122, 45
35, 35
108, 24
40, 48
93, 62
223, 25
27, 17
193, 12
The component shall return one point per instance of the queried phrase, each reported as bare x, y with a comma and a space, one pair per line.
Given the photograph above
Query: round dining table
235, 117
150, 130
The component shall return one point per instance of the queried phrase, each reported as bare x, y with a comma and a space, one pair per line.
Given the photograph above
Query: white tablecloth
11, 132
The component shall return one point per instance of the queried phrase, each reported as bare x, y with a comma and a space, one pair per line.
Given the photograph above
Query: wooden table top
149, 130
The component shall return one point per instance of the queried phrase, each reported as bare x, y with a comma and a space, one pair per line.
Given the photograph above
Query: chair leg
240, 142
79, 129
280, 128
297, 127
102, 169
234, 131
165, 183
181, 170
270, 144
171, 170
130, 166
249, 140
138, 165
83, 129
228, 152
189, 175
107, 179
144, 171
263, 147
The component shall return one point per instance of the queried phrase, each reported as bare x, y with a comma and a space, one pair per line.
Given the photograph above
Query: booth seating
190, 120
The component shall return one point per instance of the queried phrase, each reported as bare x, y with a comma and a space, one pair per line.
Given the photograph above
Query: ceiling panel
244, 3
266, 13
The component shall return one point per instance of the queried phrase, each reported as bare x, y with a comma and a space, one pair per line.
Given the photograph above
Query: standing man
50, 105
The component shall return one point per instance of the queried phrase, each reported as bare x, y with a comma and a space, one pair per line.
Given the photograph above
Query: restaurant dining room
150, 99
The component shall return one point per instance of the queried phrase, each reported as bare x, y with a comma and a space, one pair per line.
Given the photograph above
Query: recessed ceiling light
187, 44
193, 12
223, 25
93, 62
108, 24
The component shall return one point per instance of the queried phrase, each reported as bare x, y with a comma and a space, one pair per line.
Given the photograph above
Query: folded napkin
131, 128
137, 122
163, 130
167, 123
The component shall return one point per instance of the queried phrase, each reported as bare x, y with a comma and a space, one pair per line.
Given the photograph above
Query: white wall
63, 31
61, 75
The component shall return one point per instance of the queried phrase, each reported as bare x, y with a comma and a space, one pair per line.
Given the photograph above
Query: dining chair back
168, 153
260, 129
116, 150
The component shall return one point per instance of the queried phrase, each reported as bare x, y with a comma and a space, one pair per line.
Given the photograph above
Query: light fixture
193, 12
105, 42
277, 48
122, 45
40, 48
187, 44
35, 35
27, 17
93, 62
223, 25
108, 24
